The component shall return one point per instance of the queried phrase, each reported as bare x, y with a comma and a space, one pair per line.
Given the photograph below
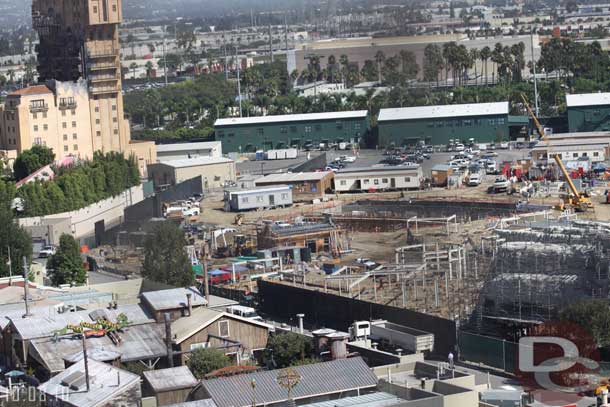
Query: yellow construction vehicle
575, 199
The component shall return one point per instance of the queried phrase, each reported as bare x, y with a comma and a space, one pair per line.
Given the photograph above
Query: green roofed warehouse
588, 112
249, 134
485, 122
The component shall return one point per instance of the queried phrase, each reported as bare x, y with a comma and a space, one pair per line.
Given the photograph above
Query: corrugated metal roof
136, 314
44, 326
166, 148
235, 121
197, 403
195, 162
377, 399
185, 327
173, 298
579, 135
14, 311
170, 379
293, 177
571, 147
381, 168
443, 111
106, 383
441, 167
317, 379
139, 342
257, 190
43, 323
588, 99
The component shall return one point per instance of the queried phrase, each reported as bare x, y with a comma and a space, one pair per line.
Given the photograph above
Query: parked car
459, 147
191, 212
367, 263
491, 167
47, 251
501, 184
348, 159
474, 180
244, 312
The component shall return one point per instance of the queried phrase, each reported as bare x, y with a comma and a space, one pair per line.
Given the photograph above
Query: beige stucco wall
212, 175
145, 152
82, 221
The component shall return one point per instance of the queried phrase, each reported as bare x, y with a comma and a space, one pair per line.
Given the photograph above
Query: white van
244, 312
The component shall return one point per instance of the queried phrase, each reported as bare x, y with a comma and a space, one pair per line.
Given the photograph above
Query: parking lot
365, 158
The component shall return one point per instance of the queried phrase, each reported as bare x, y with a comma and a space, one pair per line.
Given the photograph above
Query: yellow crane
575, 199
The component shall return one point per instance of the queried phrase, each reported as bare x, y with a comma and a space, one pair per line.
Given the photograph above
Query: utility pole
206, 283
286, 34
26, 287
238, 62
270, 42
535, 79
226, 71
10, 262
86, 361
164, 59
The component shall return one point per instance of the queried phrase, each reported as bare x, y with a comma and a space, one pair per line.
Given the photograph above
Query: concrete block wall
82, 221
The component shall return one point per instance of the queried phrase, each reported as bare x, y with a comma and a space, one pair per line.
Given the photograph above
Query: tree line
75, 187
568, 66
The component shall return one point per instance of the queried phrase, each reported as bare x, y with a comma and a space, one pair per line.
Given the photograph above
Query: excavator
575, 199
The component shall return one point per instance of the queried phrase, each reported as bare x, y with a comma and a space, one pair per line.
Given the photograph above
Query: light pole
164, 59
237, 64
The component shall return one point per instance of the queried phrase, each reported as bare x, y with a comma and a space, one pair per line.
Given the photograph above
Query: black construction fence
312, 164
152, 207
137, 217
333, 311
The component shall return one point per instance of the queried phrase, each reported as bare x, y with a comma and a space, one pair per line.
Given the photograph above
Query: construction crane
575, 199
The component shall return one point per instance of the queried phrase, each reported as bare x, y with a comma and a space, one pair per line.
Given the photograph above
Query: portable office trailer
257, 198
284, 154
378, 178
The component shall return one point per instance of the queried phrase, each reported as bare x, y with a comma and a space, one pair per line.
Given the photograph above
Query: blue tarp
238, 268
217, 272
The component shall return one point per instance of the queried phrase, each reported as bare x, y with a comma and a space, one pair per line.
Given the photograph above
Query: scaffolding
537, 268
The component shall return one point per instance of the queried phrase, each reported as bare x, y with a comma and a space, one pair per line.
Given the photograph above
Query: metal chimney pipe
168, 339
189, 303
300, 317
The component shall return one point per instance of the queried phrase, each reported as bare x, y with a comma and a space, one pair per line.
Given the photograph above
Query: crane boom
577, 197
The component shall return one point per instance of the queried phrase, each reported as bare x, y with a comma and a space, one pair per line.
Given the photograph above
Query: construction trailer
372, 179
440, 174
306, 186
257, 198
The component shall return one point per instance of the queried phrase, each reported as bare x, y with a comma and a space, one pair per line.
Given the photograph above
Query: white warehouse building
378, 178
594, 149
179, 151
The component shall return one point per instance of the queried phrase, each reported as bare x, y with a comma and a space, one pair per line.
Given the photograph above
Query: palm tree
133, 67
474, 56
485, 55
331, 67
149, 68
379, 58
497, 57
